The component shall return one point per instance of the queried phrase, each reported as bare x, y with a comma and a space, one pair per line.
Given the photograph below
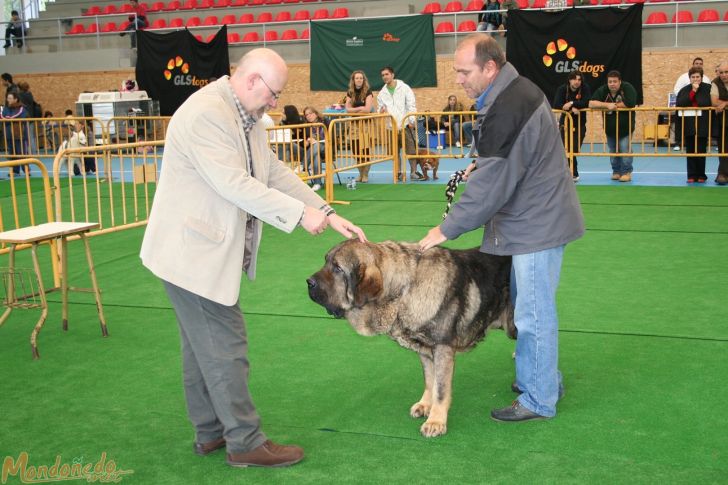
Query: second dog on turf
429, 163
436, 303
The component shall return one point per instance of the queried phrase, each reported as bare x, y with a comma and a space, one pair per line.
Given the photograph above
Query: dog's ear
368, 285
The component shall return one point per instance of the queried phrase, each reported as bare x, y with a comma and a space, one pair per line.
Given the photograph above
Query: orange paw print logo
559, 46
172, 64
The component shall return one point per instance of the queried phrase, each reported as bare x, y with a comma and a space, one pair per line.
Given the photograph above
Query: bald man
522, 193
219, 183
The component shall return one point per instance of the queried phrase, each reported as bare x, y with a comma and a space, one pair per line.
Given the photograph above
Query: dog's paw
432, 428
420, 409
435, 177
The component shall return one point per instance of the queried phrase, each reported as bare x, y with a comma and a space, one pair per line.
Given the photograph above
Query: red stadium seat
246, 18
189, 5
683, 17
283, 16
126, 8
307, 1
539, 4
176, 23
238, 3
222, 3
725, 17
210, 37
206, 4
271, 36
444, 27
272, 2
656, 18
158, 24
255, 2
211, 20
657, 1
264, 17
305, 34
522, 4
432, 7
301, 15
229, 20
193, 22
289, 34
92, 29
122, 26
474, 6
109, 27
340, 13
233, 37
454, 6
77, 29
109, 10
251, 37
709, 15
92, 10
320, 14
291, 1
635, 1
173, 5
611, 2
156, 7
198, 37
467, 26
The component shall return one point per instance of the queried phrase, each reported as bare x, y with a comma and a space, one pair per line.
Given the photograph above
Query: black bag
37, 111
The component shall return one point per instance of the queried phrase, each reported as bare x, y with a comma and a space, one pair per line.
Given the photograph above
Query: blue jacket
14, 130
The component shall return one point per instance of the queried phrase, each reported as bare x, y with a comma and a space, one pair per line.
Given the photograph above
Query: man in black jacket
573, 97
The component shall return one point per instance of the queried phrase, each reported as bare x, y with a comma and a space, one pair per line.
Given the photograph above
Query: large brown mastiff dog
436, 302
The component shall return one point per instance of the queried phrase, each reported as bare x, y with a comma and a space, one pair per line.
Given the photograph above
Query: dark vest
722, 90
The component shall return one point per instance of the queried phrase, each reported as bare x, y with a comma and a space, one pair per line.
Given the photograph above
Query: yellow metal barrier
113, 186
359, 142
132, 129
43, 137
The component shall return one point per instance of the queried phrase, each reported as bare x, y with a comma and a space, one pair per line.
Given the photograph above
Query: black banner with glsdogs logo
546, 46
170, 67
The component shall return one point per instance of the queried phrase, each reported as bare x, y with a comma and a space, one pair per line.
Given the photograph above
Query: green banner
342, 46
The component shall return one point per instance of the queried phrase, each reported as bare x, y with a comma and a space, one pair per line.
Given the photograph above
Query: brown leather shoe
268, 454
203, 449
721, 179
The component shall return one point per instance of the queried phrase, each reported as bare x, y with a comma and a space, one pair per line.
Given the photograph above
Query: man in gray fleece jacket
522, 193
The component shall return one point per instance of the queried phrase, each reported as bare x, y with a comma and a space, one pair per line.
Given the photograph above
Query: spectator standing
34, 111
398, 99
618, 125
10, 86
681, 82
719, 100
359, 99
453, 123
292, 148
573, 97
695, 123
14, 29
16, 132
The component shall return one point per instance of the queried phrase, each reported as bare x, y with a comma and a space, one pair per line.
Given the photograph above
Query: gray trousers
215, 368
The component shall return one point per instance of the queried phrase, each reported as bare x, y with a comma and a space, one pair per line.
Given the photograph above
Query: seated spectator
314, 145
137, 21
453, 123
15, 29
291, 147
490, 18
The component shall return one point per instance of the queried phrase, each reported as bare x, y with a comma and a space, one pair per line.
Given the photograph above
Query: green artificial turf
643, 346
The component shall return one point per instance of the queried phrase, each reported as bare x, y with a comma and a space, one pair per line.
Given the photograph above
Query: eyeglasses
275, 95
722, 72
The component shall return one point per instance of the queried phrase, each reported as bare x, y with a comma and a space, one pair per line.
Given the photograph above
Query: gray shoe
514, 413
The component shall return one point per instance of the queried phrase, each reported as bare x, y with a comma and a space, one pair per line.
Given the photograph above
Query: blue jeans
468, 132
620, 165
534, 280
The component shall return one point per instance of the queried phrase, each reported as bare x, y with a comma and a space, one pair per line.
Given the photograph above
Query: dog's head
349, 279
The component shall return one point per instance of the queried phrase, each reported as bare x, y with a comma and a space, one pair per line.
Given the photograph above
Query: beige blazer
195, 236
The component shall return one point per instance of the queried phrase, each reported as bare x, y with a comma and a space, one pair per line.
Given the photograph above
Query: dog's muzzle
315, 293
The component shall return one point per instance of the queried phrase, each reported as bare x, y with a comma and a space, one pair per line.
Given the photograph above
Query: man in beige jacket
219, 183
